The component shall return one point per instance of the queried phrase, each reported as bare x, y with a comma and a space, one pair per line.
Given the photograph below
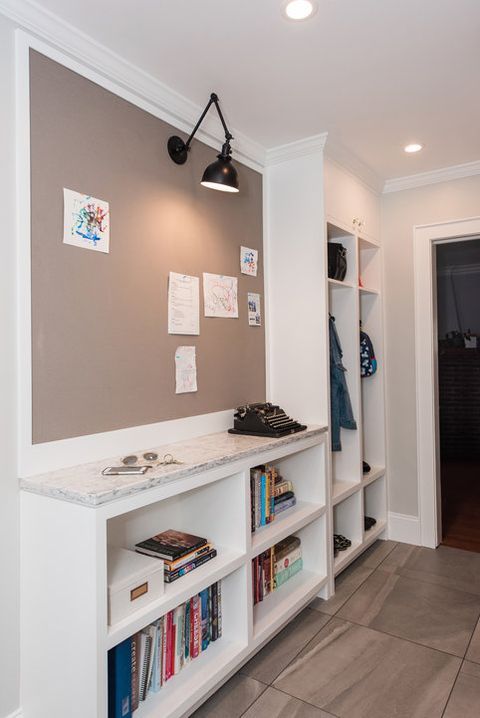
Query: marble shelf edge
85, 485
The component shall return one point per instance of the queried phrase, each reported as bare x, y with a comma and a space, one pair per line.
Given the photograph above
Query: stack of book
272, 568
181, 552
146, 661
270, 495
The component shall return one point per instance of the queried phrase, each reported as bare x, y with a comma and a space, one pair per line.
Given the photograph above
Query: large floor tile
356, 672
277, 654
443, 566
438, 617
275, 704
473, 653
353, 577
232, 700
465, 699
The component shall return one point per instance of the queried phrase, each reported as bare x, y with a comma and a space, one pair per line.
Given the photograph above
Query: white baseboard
404, 528
16, 714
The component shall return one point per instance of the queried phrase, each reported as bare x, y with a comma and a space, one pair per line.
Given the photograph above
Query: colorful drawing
86, 221
220, 296
248, 261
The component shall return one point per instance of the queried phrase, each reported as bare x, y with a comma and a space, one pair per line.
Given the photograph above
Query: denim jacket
340, 405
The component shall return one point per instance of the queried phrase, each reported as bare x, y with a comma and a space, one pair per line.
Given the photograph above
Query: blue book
263, 499
205, 619
120, 680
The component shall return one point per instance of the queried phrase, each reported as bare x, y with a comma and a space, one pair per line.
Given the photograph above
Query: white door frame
428, 446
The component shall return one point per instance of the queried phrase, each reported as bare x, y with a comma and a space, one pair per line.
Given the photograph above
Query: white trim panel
404, 528
16, 714
293, 150
428, 445
445, 174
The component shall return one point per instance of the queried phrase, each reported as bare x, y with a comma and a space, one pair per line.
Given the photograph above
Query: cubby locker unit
69, 526
344, 307
374, 505
352, 301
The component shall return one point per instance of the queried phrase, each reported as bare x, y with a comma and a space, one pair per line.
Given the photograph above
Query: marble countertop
86, 485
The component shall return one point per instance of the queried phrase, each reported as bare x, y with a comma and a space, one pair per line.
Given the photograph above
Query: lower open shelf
282, 604
176, 593
345, 558
193, 682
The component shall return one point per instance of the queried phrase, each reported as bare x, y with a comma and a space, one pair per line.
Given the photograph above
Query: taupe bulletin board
101, 355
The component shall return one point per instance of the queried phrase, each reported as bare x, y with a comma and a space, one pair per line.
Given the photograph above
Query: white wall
9, 569
400, 212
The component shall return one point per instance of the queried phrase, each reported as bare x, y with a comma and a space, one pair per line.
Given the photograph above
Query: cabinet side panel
63, 610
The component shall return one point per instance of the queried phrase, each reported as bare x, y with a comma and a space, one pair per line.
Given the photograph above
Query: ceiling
375, 74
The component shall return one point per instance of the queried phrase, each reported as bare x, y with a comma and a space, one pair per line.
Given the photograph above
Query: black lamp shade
221, 175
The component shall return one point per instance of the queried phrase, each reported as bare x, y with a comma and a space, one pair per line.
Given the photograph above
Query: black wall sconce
221, 174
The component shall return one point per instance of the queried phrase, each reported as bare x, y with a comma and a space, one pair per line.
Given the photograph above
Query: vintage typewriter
264, 420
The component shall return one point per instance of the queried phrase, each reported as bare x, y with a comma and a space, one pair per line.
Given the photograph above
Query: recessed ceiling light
300, 9
414, 147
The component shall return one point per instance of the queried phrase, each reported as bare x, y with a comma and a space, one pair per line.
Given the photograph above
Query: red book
190, 627
164, 649
173, 645
168, 667
195, 627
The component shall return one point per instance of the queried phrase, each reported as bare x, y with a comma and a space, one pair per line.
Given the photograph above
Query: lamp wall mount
220, 175
178, 149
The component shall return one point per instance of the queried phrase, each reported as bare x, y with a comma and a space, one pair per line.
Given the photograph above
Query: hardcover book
171, 576
170, 545
285, 505
120, 680
135, 669
287, 573
282, 548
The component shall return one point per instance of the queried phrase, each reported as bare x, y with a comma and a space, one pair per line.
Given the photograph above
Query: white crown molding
445, 174
293, 150
352, 164
171, 106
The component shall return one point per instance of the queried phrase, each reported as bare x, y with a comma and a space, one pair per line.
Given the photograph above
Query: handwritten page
185, 370
248, 261
254, 313
183, 304
220, 296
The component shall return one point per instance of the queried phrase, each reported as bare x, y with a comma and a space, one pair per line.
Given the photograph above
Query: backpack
368, 363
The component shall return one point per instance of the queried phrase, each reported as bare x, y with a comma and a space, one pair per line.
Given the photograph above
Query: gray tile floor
400, 639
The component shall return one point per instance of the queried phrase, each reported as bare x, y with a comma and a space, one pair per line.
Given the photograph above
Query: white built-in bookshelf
69, 524
359, 299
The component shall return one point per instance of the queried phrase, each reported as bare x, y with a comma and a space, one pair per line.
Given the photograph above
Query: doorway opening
457, 265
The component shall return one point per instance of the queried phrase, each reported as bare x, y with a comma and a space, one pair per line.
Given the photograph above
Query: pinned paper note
86, 221
183, 304
254, 312
185, 370
220, 295
248, 261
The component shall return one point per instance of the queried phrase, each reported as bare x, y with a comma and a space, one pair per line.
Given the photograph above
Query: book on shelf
147, 660
171, 576
269, 495
135, 671
284, 505
171, 545
273, 567
282, 576
180, 552
120, 680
